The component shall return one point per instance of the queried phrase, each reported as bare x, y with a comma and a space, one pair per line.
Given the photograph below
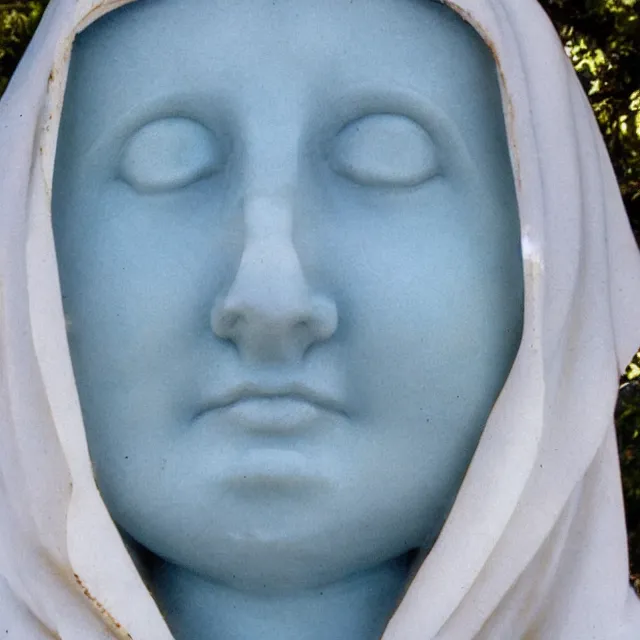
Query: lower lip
274, 413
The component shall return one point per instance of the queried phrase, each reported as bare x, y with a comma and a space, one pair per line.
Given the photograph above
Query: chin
268, 563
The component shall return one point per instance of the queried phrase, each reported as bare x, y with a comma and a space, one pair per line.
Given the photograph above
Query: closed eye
169, 154
384, 150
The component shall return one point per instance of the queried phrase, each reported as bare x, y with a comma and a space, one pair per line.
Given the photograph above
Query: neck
355, 608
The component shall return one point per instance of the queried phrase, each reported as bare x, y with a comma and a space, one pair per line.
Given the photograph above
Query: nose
270, 312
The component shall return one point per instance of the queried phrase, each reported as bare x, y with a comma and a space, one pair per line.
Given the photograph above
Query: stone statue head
289, 250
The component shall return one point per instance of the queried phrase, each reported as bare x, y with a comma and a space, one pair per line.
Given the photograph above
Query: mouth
284, 408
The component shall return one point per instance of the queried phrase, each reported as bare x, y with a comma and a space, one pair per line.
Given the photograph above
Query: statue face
289, 252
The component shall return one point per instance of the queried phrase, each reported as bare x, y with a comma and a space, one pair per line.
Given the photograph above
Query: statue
299, 305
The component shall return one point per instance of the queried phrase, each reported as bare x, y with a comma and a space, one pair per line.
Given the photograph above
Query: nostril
300, 326
287, 326
323, 318
225, 321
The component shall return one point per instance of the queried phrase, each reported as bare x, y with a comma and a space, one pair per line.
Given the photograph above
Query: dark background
602, 38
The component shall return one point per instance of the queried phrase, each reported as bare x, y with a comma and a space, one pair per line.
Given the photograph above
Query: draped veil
535, 545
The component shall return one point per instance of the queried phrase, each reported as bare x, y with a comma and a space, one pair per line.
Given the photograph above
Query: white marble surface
535, 544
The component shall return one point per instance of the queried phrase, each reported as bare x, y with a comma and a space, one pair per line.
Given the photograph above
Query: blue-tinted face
289, 249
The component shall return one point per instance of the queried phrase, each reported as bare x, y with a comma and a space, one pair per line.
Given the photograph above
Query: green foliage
18, 21
628, 423
602, 38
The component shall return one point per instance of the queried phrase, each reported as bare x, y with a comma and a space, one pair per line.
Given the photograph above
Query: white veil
535, 545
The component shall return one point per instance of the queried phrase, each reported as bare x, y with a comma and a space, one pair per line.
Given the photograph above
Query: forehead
301, 24
151, 48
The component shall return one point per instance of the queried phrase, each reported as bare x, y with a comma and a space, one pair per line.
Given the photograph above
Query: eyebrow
361, 100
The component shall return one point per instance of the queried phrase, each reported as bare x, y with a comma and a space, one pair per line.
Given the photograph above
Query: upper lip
293, 390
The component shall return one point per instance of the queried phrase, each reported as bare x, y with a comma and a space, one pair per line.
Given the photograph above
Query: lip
274, 412
284, 407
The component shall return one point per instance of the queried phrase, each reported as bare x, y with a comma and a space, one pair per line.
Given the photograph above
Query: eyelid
384, 150
169, 154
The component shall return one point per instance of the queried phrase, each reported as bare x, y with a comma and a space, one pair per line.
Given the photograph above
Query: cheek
139, 275
434, 334
433, 298
136, 305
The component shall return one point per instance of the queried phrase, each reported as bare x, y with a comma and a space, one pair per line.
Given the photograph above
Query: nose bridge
272, 150
268, 220
269, 281
270, 278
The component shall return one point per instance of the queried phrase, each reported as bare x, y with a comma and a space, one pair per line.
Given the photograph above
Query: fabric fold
535, 545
